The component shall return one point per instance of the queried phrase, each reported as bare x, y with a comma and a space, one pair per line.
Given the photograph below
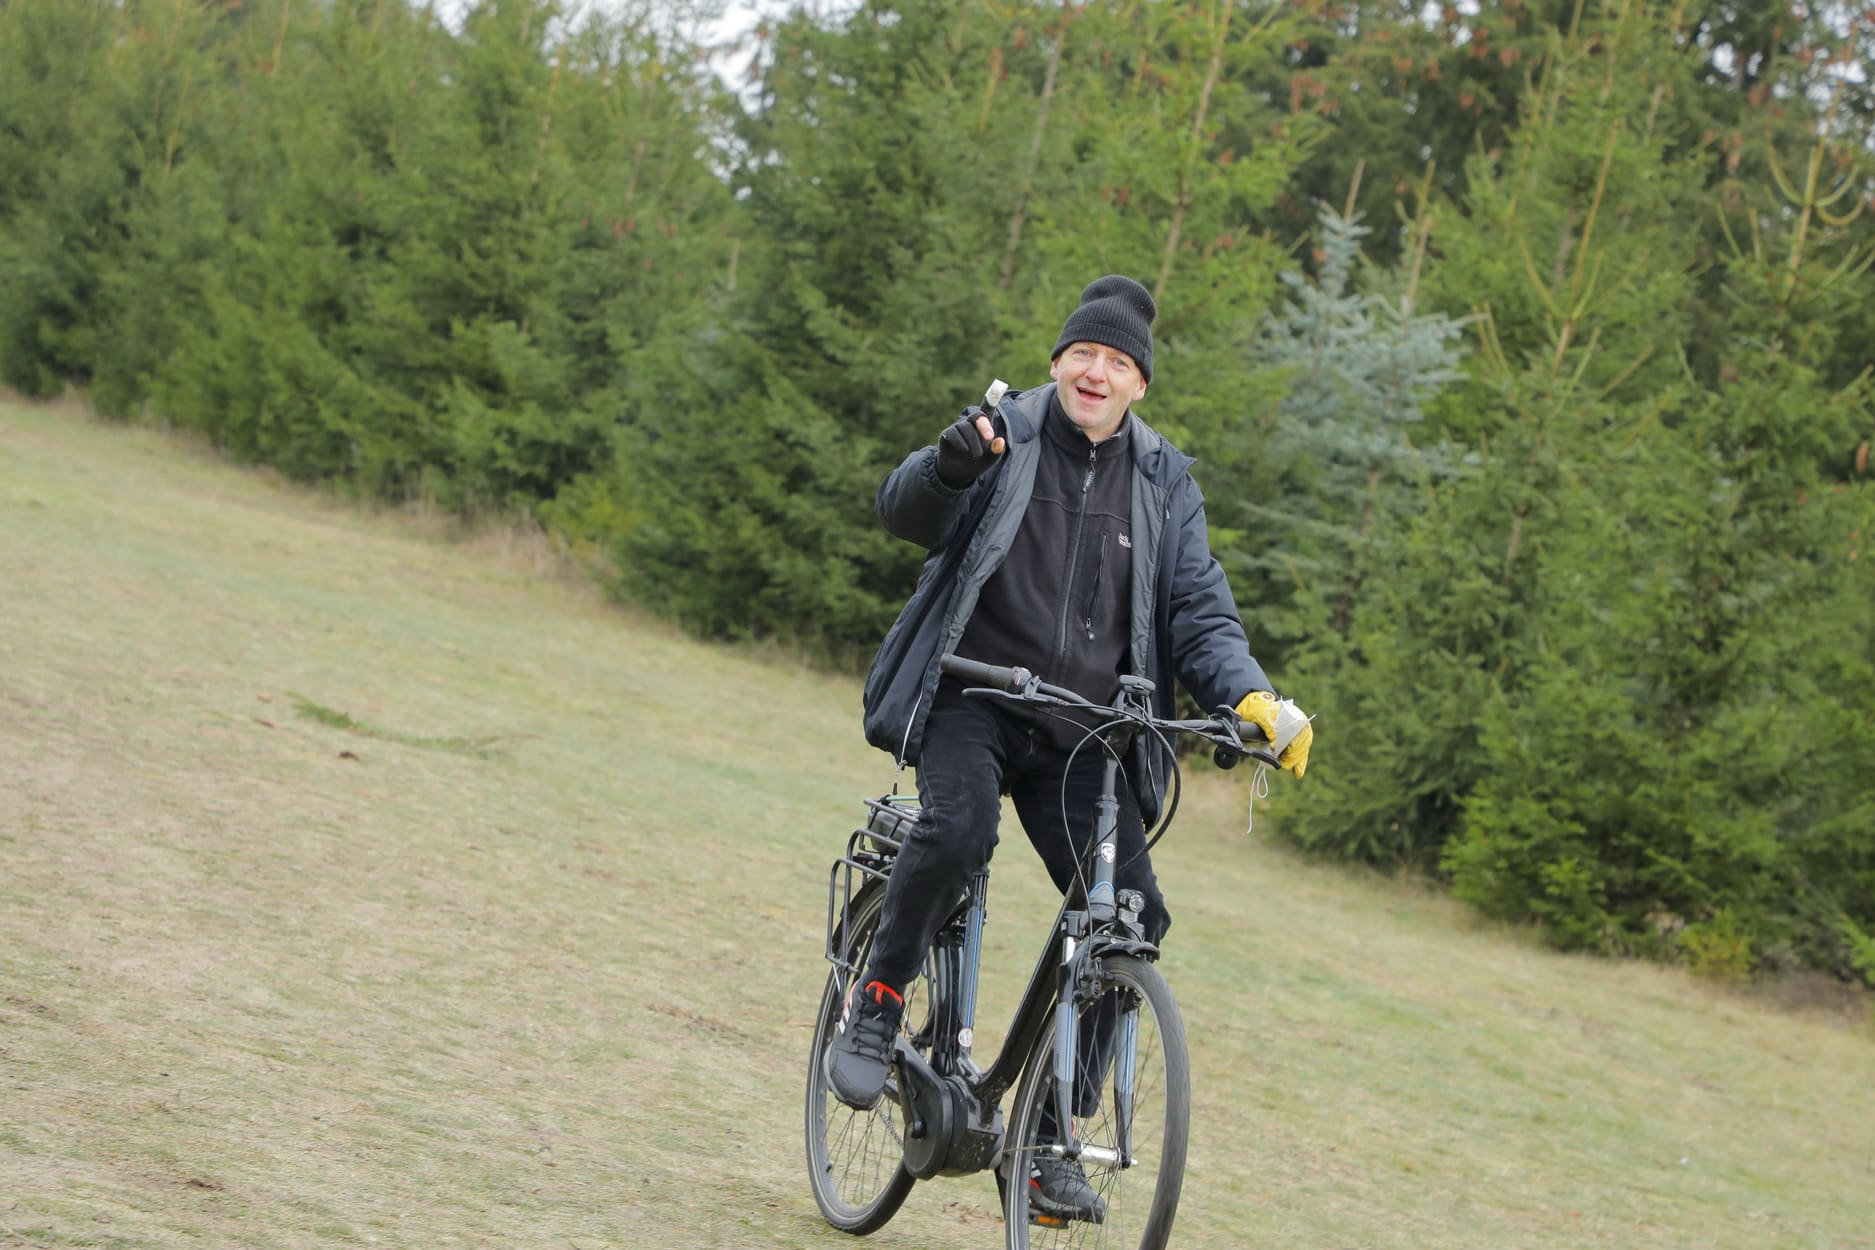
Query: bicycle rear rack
870, 851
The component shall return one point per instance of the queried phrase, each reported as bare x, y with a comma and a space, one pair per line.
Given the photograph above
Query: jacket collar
1157, 459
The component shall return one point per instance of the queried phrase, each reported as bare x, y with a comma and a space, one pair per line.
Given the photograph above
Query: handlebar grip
1255, 745
976, 673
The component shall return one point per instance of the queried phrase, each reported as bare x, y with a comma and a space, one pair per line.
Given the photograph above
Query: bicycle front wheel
1133, 1141
856, 1158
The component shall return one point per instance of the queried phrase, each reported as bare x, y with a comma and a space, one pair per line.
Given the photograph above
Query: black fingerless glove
962, 455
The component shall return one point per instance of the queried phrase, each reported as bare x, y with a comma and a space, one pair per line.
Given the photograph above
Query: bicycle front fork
1103, 908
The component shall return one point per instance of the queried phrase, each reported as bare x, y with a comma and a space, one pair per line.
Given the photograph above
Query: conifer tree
1166, 158
1717, 821
932, 185
450, 248
58, 176
104, 104
862, 311
1564, 254
1563, 695
1345, 439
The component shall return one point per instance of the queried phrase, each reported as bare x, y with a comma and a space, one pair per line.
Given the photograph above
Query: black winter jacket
1184, 622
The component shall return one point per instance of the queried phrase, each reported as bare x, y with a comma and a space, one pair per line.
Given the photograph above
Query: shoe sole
826, 1075
1039, 1217
1059, 1216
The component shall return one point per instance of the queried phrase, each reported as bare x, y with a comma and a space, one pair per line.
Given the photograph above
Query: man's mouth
1093, 397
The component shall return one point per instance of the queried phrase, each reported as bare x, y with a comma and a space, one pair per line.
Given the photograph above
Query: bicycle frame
1085, 928
1091, 1003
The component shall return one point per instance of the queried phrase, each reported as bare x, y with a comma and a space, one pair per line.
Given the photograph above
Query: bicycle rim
855, 1158
1141, 1195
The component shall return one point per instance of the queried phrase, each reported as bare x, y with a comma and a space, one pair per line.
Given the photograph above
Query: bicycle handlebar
1223, 731
977, 673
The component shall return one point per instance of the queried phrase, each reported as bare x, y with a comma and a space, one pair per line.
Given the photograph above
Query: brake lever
1228, 757
1028, 696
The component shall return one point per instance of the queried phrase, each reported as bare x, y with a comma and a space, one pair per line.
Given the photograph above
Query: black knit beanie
1117, 312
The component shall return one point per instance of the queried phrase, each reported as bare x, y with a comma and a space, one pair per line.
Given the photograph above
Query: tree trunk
1183, 201
1019, 213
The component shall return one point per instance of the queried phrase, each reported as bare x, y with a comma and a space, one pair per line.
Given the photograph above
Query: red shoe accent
882, 990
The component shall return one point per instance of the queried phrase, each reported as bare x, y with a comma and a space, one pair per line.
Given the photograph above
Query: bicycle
942, 1114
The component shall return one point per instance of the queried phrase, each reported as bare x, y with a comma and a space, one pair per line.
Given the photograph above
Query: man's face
1096, 385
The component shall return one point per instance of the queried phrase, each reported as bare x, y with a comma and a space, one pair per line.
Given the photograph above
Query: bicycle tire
1141, 1198
855, 1159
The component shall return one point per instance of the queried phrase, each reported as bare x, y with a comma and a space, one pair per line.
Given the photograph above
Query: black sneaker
1058, 1188
860, 1058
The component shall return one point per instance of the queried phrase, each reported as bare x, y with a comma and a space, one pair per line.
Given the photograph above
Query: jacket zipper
1074, 559
1093, 594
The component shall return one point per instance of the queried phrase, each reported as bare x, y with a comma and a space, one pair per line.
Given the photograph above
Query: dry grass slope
367, 885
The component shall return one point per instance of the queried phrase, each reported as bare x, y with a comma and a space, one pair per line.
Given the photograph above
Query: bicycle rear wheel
1134, 1142
855, 1159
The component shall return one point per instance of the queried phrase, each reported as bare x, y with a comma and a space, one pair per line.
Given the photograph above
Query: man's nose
1097, 368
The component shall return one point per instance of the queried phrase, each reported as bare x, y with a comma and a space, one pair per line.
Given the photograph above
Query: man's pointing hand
966, 449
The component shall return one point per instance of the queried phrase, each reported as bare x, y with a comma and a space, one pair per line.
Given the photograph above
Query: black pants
974, 752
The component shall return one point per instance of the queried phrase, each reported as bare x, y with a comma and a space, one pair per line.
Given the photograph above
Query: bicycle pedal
1047, 1221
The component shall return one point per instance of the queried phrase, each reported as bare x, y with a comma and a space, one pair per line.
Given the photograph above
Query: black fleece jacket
1058, 606
1183, 624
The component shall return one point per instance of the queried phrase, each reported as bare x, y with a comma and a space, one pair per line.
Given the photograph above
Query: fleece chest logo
1126, 540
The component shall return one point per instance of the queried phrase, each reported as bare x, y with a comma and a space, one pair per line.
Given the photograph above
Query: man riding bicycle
1070, 542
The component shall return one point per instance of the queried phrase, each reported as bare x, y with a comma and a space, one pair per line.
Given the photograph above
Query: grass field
362, 883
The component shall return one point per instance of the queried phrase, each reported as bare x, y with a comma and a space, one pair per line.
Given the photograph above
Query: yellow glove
1260, 707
